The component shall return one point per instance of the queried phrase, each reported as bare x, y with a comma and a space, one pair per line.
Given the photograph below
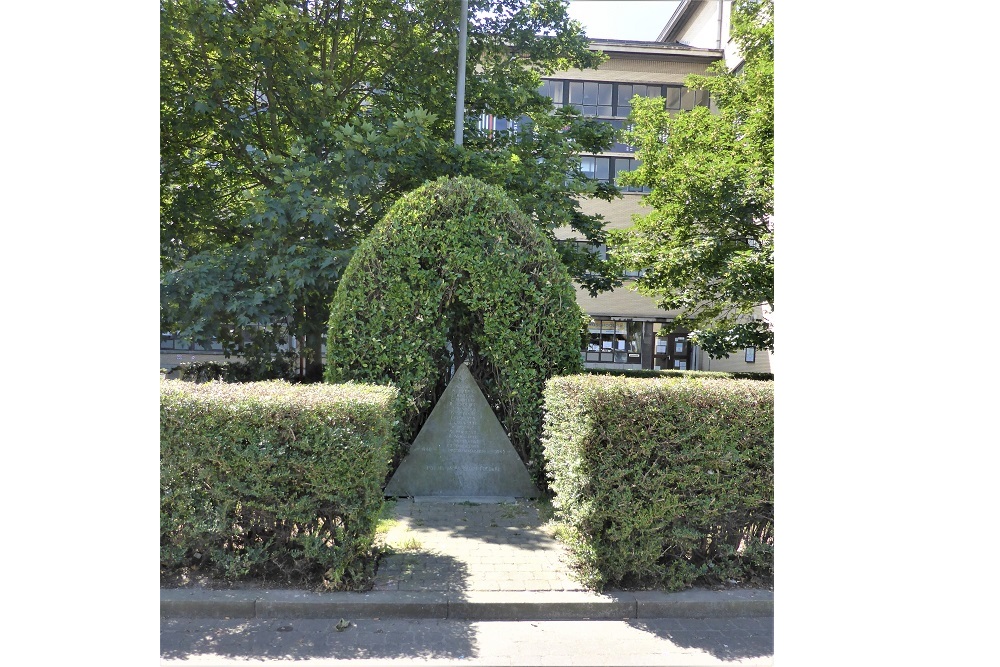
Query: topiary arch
455, 271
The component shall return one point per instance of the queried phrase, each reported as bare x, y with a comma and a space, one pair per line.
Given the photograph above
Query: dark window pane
653, 91
624, 95
604, 94
589, 110
604, 111
639, 89
634, 337
603, 168
673, 97
687, 100
553, 90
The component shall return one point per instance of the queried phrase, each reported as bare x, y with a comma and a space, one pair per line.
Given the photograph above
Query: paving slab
456, 546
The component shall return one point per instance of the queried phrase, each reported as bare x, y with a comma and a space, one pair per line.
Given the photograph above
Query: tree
289, 128
707, 246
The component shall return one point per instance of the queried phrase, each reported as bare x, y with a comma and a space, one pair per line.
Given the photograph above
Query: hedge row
272, 480
663, 482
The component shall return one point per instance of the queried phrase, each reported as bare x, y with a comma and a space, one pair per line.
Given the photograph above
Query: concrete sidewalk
468, 560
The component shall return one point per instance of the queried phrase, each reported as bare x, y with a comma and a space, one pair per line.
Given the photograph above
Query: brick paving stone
485, 547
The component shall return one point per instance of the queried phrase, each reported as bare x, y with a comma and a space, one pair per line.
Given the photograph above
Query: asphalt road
314, 642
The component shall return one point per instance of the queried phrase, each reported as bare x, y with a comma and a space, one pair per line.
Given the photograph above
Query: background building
627, 329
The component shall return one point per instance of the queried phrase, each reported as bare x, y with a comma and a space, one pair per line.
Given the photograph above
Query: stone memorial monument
462, 451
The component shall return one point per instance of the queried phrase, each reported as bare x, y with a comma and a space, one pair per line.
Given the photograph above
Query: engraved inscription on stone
462, 450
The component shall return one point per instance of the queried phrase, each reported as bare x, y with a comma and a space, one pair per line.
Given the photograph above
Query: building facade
627, 330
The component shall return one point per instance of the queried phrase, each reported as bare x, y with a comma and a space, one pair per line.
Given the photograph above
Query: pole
463, 36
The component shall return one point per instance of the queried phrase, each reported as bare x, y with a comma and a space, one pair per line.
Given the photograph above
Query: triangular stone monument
462, 450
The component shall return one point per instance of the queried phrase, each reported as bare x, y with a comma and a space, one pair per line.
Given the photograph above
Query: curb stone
474, 605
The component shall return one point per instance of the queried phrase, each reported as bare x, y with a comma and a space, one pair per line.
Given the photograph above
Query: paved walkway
465, 546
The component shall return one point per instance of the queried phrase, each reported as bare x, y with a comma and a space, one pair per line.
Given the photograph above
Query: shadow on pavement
723, 638
422, 571
304, 638
518, 525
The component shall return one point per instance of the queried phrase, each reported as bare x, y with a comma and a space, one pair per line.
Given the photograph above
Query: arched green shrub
455, 265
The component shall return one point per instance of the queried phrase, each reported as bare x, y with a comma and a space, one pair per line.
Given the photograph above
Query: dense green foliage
708, 245
272, 480
455, 271
253, 369
663, 482
288, 129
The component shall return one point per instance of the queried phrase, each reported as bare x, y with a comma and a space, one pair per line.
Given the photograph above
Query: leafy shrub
272, 480
456, 272
663, 482
280, 367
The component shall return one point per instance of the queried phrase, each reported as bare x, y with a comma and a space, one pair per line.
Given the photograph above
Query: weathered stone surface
462, 450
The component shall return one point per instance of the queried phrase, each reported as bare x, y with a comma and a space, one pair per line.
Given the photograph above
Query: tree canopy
289, 128
707, 248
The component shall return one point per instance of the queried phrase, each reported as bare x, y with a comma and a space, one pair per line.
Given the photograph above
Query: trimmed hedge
271, 480
663, 482
456, 271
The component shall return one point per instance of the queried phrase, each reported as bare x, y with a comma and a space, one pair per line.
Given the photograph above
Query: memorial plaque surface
462, 450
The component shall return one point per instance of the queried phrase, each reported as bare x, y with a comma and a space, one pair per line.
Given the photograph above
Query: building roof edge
677, 21
649, 48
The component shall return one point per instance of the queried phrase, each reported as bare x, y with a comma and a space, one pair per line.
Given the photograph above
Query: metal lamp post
463, 36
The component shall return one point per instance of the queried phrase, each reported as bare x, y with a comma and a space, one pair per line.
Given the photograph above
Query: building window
750, 355
607, 169
626, 164
612, 342
614, 100
601, 251
596, 167
626, 91
554, 91
490, 124
170, 341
